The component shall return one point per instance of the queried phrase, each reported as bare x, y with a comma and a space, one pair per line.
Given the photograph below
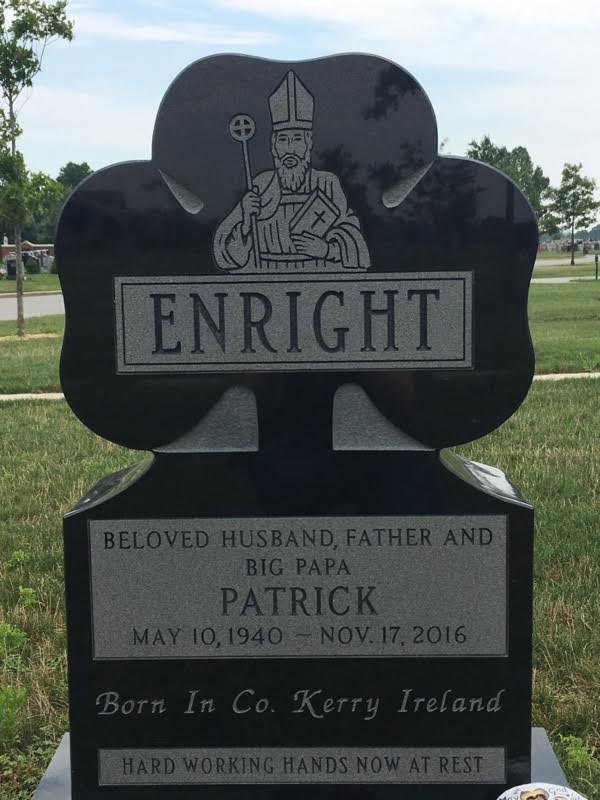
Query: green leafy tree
28, 200
27, 27
548, 220
517, 164
46, 197
72, 174
573, 203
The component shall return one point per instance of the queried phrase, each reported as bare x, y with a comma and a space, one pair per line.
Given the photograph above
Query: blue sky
523, 71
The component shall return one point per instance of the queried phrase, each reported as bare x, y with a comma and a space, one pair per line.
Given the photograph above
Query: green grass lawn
565, 326
53, 323
31, 365
547, 448
542, 254
44, 282
564, 270
564, 319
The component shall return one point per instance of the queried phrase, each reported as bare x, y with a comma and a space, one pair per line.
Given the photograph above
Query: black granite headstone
295, 304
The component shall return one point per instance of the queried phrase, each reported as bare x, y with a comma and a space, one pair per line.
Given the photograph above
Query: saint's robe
347, 248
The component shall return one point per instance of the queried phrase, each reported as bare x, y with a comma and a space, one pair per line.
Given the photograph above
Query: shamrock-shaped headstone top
294, 231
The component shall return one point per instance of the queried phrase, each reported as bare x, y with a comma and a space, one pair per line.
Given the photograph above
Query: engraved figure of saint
297, 217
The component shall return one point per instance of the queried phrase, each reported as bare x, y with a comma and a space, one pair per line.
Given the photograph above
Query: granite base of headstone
56, 783
296, 305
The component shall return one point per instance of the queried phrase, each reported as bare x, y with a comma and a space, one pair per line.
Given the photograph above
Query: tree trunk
20, 282
20, 276
573, 244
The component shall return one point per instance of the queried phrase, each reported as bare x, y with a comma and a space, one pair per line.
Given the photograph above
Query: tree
548, 221
45, 196
72, 174
573, 203
48, 197
517, 164
27, 27
31, 200
13, 192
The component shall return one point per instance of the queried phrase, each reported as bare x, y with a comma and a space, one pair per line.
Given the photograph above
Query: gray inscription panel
270, 322
299, 587
295, 765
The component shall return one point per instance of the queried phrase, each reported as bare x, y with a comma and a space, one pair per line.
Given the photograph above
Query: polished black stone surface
330, 484
383, 203
418, 212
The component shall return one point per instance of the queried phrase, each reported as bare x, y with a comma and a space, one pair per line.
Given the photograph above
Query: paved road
35, 306
553, 262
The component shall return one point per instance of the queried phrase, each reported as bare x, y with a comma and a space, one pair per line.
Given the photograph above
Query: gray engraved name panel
300, 765
270, 322
299, 587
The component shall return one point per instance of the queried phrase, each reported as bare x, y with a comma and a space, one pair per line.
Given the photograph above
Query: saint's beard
292, 178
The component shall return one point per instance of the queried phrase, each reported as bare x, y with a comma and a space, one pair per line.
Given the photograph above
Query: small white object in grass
540, 791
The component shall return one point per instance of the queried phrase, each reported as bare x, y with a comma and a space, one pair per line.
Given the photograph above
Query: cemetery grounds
548, 448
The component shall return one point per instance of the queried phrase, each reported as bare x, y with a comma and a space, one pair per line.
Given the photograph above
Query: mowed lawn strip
44, 282
53, 323
548, 449
31, 365
564, 270
554, 254
565, 326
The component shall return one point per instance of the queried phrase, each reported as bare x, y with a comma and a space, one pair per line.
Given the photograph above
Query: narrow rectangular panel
278, 322
296, 765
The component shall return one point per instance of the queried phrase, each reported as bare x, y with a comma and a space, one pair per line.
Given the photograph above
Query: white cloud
405, 14
493, 34
93, 24
527, 70
557, 126
58, 121
527, 67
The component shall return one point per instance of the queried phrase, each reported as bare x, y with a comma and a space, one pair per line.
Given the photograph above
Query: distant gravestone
295, 304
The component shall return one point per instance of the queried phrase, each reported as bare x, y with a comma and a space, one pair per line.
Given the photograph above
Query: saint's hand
310, 245
250, 207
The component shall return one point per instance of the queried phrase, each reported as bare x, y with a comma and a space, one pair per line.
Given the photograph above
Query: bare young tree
573, 203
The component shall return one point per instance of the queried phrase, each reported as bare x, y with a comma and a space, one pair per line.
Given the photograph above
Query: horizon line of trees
568, 209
